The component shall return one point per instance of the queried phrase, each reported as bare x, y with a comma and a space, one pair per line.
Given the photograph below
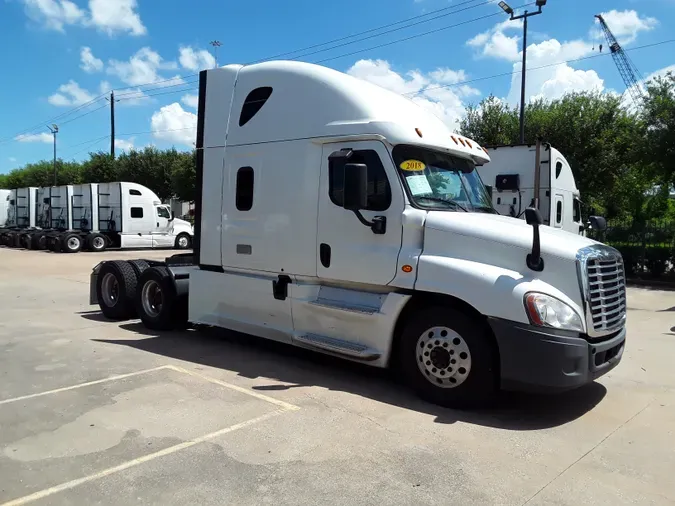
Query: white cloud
545, 82
89, 62
660, 73
104, 87
70, 94
424, 89
54, 14
12, 159
190, 100
174, 124
625, 25
553, 82
109, 16
116, 16
495, 43
143, 67
196, 60
41, 137
125, 145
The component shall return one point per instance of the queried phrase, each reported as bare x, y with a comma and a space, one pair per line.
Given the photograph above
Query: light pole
216, 44
54, 129
506, 8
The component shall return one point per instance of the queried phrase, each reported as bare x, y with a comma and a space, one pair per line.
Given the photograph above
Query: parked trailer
344, 218
120, 215
21, 215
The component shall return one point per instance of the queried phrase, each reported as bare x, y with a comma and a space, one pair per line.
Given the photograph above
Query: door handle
158, 224
324, 254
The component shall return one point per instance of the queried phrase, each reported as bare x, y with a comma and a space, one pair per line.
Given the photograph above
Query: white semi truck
337, 216
5, 196
534, 175
21, 215
98, 216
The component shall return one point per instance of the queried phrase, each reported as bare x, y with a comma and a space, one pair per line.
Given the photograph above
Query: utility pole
216, 44
508, 10
112, 123
54, 129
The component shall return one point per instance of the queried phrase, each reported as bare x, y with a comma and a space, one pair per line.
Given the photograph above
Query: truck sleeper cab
337, 216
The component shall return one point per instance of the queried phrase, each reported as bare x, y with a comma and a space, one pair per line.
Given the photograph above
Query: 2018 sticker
412, 165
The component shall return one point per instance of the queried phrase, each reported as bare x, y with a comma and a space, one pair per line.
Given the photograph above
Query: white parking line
80, 385
140, 460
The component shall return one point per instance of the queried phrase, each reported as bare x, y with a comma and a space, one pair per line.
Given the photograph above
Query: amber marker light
407, 268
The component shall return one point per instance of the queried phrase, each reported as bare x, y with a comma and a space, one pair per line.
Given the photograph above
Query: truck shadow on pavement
258, 358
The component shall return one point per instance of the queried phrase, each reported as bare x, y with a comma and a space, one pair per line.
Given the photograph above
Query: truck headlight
547, 311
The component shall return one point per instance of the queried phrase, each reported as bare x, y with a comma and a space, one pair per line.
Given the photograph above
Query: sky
62, 58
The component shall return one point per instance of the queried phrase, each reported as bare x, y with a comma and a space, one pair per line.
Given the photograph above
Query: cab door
346, 249
161, 235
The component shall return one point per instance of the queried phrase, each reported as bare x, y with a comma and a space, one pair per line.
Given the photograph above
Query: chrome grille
606, 294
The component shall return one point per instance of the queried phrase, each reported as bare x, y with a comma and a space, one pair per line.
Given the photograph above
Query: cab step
346, 348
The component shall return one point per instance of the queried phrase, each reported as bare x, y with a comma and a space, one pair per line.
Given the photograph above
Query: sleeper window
136, 212
134, 192
379, 191
244, 196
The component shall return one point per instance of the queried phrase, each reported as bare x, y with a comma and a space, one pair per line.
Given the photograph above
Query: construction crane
629, 72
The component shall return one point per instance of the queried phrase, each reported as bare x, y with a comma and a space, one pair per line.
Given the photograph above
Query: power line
434, 18
429, 32
156, 88
82, 115
142, 95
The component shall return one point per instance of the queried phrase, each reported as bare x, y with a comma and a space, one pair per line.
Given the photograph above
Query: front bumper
536, 359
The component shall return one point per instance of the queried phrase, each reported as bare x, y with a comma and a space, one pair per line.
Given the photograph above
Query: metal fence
648, 248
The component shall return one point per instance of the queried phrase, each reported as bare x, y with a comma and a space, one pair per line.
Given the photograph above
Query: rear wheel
97, 242
115, 289
448, 358
72, 243
157, 304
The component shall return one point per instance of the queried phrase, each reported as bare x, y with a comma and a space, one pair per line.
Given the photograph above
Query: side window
577, 210
163, 212
134, 192
136, 212
558, 212
379, 191
253, 103
244, 195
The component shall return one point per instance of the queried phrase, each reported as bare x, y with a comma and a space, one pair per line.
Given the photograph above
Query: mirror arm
378, 225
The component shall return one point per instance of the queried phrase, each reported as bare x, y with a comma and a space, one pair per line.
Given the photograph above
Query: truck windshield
437, 180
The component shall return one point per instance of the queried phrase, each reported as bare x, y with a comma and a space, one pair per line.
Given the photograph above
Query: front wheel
183, 241
448, 358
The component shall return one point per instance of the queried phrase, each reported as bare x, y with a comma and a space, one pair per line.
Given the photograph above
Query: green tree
100, 168
184, 177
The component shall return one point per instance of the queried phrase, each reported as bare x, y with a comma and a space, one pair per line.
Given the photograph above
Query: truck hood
497, 232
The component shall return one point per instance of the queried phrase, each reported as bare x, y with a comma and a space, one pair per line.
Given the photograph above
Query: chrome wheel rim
110, 290
183, 242
152, 298
73, 243
443, 357
98, 242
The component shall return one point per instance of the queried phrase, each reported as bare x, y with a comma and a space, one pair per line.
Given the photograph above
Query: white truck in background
5, 196
21, 215
99, 216
334, 215
534, 175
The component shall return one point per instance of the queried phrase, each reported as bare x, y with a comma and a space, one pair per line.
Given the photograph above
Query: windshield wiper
488, 209
446, 201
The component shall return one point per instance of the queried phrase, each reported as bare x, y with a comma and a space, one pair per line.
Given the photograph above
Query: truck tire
183, 241
12, 240
97, 242
115, 290
54, 243
24, 241
38, 241
71, 243
139, 266
157, 304
448, 358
